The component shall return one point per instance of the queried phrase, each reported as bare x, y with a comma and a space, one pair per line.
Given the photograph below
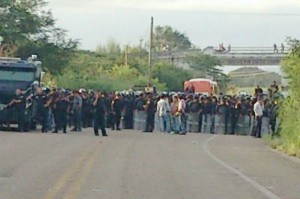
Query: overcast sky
206, 22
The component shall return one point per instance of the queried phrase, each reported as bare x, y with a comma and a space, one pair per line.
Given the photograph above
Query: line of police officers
77, 109
234, 109
101, 110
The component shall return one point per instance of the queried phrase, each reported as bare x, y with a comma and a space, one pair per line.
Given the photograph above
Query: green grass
274, 143
279, 144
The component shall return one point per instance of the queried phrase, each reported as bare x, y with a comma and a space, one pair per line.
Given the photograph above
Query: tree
223, 81
173, 40
204, 65
88, 70
22, 20
53, 56
289, 109
28, 28
171, 75
111, 47
138, 58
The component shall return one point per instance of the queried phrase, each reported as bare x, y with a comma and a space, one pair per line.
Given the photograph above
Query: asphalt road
133, 165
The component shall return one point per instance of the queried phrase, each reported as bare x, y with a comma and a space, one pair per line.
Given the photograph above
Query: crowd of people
174, 112
57, 110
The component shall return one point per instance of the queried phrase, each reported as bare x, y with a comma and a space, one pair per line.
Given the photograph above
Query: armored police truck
17, 74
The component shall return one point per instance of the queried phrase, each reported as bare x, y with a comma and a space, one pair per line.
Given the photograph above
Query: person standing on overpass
282, 48
275, 48
229, 48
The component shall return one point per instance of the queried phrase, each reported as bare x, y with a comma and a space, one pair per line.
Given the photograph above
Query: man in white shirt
258, 110
163, 111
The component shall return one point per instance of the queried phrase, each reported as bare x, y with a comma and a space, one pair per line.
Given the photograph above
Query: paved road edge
237, 172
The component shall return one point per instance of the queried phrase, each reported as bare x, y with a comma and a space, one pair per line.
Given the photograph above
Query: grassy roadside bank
278, 143
288, 140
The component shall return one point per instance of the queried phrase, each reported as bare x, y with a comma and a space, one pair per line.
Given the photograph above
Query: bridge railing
245, 50
210, 50
255, 50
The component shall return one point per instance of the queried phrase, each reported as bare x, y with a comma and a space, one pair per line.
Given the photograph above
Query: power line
254, 14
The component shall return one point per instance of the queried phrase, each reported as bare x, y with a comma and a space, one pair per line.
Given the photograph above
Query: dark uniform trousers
42, 117
234, 121
213, 121
150, 122
128, 119
99, 122
116, 120
21, 118
227, 120
200, 122
61, 121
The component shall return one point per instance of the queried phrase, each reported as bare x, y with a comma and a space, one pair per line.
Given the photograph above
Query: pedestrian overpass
236, 56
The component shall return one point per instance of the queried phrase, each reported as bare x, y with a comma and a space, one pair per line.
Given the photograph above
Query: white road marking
255, 184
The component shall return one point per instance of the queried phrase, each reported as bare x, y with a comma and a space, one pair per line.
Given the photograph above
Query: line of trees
105, 68
28, 27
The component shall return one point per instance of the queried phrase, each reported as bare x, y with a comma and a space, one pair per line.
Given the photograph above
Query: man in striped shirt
183, 116
163, 110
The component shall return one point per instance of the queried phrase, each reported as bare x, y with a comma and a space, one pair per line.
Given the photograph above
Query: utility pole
150, 54
1, 47
126, 55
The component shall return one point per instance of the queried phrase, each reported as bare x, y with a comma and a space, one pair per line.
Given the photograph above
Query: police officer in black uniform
42, 108
61, 105
228, 112
200, 115
150, 110
107, 103
128, 111
87, 102
90, 111
54, 112
213, 112
18, 104
116, 108
206, 110
236, 112
99, 114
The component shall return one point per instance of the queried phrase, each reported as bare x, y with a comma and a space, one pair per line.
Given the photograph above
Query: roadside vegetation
288, 139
